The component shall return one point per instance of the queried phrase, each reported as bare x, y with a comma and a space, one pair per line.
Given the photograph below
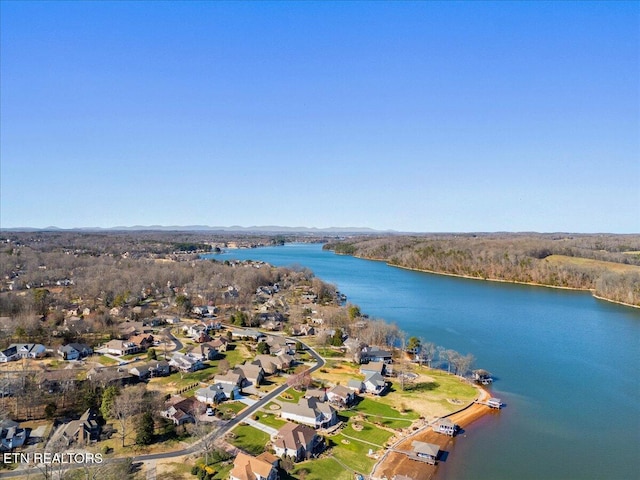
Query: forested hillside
608, 265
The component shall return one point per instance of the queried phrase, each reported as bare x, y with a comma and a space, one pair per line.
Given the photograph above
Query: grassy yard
321, 470
369, 433
271, 420
352, 453
291, 395
106, 361
249, 439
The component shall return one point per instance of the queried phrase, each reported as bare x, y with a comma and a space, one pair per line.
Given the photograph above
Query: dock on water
492, 402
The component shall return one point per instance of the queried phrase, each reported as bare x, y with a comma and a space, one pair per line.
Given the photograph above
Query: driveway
266, 429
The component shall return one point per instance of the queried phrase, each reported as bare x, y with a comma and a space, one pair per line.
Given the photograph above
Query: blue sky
413, 116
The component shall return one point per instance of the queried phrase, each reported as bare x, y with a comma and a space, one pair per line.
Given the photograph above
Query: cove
567, 364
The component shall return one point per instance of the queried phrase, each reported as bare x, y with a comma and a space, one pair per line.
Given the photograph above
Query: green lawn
352, 453
369, 433
271, 420
234, 406
293, 393
249, 439
322, 470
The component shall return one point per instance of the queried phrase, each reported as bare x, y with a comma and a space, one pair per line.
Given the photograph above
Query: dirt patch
397, 463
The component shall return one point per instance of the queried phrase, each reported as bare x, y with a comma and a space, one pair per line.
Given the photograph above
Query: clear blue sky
413, 116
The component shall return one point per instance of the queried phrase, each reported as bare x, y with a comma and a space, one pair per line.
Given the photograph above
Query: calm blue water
568, 365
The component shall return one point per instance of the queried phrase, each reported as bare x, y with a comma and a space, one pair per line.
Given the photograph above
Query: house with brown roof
181, 410
231, 377
252, 373
297, 441
246, 467
143, 341
81, 431
341, 395
121, 347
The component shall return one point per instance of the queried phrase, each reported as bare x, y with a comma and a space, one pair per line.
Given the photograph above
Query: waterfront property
425, 452
445, 426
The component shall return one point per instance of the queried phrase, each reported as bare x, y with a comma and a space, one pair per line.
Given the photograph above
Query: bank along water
567, 364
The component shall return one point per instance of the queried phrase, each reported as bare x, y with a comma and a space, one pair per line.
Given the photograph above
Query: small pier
492, 403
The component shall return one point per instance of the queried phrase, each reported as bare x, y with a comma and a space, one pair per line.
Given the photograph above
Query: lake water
567, 365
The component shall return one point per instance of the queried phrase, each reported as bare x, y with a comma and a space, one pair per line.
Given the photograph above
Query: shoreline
498, 280
394, 462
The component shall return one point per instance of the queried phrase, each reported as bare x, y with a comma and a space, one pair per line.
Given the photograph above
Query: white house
375, 383
309, 411
296, 441
186, 362
29, 350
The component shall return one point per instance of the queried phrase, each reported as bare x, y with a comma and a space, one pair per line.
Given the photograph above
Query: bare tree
125, 406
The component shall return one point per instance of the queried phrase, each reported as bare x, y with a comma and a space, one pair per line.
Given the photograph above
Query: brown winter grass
563, 260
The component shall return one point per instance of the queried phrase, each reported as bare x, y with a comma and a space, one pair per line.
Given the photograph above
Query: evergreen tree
144, 433
109, 394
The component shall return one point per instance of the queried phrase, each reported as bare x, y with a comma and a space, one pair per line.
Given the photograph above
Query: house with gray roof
217, 393
375, 383
309, 411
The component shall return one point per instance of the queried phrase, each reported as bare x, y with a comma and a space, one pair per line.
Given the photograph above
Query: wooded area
544, 259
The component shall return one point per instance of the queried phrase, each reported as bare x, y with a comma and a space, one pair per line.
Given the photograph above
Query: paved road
218, 432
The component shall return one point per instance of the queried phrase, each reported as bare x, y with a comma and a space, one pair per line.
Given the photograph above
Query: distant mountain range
205, 228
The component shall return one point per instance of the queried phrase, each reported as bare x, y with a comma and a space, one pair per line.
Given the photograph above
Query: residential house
297, 441
203, 338
244, 333
232, 377
217, 393
309, 411
355, 385
105, 376
253, 373
318, 393
246, 467
375, 383
182, 410
74, 351
154, 368
11, 435
9, 354
186, 362
272, 364
54, 381
143, 341
341, 395
121, 347
374, 354
80, 431
29, 350
208, 351
220, 343
445, 426
280, 345
373, 367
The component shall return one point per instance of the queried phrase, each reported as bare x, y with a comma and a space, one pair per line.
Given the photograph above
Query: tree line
525, 258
